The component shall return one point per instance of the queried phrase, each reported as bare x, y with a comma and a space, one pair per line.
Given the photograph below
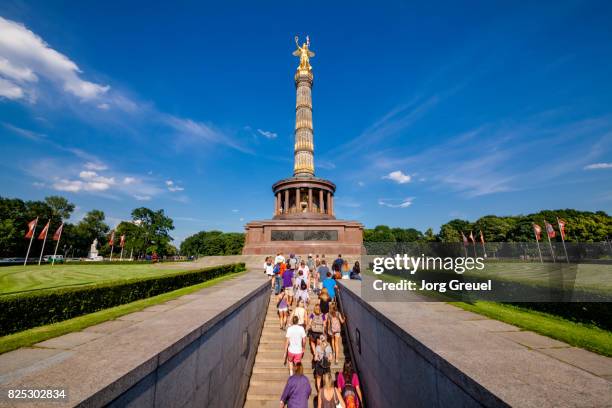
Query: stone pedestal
303, 236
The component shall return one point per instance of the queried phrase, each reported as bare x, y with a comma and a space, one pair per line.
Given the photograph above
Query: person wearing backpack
322, 357
335, 320
301, 287
317, 326
348, 386
329, 397
278, 281
300, 313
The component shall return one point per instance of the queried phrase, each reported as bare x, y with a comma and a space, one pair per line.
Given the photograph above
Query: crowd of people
300, 285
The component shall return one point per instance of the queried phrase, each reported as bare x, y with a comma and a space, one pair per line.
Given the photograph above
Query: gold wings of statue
304, 53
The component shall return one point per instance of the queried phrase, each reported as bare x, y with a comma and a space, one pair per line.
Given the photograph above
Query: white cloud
405, 203
104, 106
267, 134
598, 166
75, 186
142, 197
95, 166
9, 90
173, 187
235, 210
28, 134
398, 177
191, 131
24, 57
129, 180
85, 174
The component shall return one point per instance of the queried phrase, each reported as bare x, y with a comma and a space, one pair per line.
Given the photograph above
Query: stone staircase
269, 375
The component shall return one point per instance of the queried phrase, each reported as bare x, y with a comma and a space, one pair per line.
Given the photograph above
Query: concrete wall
211, 370
396, 370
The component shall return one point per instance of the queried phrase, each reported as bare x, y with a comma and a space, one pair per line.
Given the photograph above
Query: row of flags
57, 236
537, 230
550, 233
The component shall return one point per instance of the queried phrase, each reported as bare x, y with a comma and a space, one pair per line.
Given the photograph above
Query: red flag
481, 237
537, 230
549, 230
58, 232
31, 227
472, 237
122, 241
111, 241
465, 240
43, 233
561, 227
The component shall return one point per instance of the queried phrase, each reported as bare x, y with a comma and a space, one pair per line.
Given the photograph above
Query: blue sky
422, 113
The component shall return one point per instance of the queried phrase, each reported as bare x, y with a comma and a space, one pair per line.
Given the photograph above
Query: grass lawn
38, 334
16, 279
586, 336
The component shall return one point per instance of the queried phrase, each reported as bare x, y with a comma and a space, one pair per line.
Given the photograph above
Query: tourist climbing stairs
269, 374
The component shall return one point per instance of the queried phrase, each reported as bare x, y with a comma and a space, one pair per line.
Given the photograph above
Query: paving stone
591, 362
532, 340
70, 340
110, 326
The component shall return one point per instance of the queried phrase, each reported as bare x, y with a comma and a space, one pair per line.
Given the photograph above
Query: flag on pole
472, 237
58, 232
537, 230
481, 238
31, 228
550, 230
56, 237
111, 240
561, 227
43, 233
122, 241
465, 240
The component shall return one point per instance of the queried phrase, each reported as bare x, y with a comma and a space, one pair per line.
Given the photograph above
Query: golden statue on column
304, 53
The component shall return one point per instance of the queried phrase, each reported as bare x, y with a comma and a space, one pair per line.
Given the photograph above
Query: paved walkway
87, 361
520, 367
269, 374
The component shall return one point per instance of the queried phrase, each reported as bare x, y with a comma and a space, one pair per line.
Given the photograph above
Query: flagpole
484, 251
552, 252
111, 257
43, 246
30, 245
563, 239
121, 257
538, 244
57, 244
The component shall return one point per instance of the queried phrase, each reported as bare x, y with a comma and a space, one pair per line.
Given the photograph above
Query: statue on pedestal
93, 251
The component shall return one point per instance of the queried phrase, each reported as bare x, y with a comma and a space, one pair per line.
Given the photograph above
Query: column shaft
321, 203
309, 199
286, 202
298, 206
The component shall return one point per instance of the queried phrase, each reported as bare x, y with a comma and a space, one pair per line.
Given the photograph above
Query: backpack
276, 269
316, 324
349, 395
303, 285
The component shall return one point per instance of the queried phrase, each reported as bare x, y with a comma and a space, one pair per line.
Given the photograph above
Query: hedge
23, 311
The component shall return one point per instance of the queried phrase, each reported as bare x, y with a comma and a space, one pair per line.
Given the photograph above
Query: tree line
207, 243
581, 226
148, 232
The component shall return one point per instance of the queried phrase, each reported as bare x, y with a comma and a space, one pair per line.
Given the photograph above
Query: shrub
24, 311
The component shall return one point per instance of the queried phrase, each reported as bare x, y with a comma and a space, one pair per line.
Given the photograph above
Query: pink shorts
294, 358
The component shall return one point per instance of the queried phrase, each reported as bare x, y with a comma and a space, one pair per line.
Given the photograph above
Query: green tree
60, 206
156, 227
